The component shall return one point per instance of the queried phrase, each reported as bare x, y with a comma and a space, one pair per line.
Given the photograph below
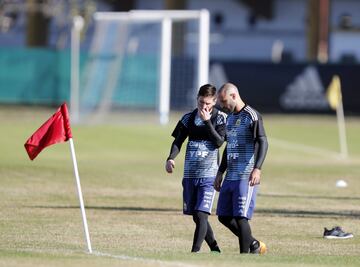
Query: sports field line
145, 260
304, 148
119, 257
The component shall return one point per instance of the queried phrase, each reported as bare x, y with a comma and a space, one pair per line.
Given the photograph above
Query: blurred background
281, 53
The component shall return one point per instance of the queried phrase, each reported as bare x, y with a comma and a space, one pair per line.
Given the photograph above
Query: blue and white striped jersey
202, 154
242, 130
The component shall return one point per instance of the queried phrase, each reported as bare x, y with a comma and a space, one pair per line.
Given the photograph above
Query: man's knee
200, 217
224, 219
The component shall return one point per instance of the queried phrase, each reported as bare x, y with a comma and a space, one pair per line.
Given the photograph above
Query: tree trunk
178, 33
318, 30
37, 25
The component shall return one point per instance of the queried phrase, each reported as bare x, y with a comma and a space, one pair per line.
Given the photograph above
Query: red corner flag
54, 130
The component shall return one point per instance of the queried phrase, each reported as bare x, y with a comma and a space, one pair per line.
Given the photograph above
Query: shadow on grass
268, 212
309, 214
136, 209
309, 197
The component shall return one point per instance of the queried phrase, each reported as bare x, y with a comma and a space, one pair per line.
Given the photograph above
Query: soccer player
243, 157
205, 129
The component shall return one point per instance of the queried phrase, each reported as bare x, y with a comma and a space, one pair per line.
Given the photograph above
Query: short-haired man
205, 129
243, 157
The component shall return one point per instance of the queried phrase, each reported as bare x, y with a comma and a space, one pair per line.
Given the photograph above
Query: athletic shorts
236, 199
198, 195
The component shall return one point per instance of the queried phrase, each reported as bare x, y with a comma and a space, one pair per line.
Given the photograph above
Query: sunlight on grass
134, 208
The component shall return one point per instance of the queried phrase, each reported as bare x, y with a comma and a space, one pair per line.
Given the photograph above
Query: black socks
203, 231
241, 228
245, 238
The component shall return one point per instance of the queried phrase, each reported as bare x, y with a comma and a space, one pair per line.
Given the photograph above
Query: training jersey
242, 131
202, 154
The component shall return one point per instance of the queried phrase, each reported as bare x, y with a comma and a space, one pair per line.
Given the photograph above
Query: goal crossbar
150, 15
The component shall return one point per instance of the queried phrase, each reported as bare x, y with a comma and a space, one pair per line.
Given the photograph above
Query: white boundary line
119, 257
145, 260
304, 148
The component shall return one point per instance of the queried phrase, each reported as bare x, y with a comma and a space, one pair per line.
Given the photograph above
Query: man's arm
221, 170
223, 163
261, 147
180, 133
217, 136
261, 143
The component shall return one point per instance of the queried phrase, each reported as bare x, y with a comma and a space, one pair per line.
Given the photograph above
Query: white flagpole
342, 132
86, 230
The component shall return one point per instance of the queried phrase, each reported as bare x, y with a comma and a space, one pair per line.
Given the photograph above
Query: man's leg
205, 197
200, 218
210, 239
245, 237
241, 228
225, 207
244, 203
231, 223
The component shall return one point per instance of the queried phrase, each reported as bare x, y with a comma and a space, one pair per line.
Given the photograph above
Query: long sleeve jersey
205, 138
246, 146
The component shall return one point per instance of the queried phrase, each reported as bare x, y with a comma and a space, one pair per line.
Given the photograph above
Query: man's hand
218, 180
254, 178
170, 165
204, 114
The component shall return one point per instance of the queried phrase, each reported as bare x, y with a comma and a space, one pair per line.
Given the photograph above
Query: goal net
146, 62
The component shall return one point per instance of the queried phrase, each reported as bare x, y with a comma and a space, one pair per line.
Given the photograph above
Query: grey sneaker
336, 233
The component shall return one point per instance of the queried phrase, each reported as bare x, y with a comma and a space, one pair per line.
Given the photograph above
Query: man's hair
207, 90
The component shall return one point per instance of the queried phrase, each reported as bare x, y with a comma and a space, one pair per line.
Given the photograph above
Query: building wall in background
344, 40
236, 35
241, 37
240, 45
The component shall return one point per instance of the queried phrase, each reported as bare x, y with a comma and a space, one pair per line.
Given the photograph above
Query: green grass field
134, 207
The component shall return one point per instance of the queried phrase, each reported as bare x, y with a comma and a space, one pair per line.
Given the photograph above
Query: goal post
165, 18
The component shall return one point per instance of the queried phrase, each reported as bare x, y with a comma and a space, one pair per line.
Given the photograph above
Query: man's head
228, 98
206, 97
